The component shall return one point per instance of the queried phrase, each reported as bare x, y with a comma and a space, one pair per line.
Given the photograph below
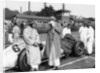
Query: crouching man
32, 39
83, 34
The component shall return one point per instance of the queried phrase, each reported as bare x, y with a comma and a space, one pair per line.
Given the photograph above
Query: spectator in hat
16, 32
14, 19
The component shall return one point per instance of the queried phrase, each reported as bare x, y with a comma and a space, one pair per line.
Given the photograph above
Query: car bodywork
10, 54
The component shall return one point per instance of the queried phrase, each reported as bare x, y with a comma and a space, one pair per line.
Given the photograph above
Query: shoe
35, 69
56, 68
32, 69
49, 67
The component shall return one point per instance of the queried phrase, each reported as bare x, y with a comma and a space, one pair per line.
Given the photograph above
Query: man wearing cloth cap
32, 40
53, 47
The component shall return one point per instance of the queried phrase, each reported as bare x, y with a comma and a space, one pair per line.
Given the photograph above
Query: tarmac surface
72, 62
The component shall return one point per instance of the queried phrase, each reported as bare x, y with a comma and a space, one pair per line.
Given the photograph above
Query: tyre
79, 48
67, 44
23, 61
66, 54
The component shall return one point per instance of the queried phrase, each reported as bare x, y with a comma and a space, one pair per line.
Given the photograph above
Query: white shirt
90, 33
66, 31
31, 36
83, 32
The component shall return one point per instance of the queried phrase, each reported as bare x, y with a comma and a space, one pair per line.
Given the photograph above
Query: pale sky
76, 9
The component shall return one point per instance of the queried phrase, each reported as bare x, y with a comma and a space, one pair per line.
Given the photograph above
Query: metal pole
63, 8
45, 5
29, 4
20, 9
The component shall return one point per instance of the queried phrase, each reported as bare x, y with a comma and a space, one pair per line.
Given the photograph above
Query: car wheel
79, 48
66, 54
23, 62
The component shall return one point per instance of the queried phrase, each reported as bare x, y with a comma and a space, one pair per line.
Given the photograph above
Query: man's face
15, 18
33, 25
68, 26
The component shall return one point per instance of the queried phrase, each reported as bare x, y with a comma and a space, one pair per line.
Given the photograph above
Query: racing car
71, 46
15, 56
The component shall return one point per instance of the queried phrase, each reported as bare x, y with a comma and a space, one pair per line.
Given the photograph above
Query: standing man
90, 39
14, 19
53, 47
16, 33
32, 39
83, 34
6, 33
22, 26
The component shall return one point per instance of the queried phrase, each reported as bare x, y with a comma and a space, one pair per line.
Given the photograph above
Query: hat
53, 18
85, 22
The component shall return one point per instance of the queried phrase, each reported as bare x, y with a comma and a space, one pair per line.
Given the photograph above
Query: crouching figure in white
90, 39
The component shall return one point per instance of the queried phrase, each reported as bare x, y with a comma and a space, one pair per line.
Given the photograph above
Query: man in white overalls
90, 39
83, 34
32, 40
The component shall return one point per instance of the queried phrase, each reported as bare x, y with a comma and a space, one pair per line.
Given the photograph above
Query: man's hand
88, 39
36, 44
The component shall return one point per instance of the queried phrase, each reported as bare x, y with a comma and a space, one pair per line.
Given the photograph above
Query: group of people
32, 39
87, 35
53, 46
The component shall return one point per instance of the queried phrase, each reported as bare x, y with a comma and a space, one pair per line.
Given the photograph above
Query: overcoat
53, 42
31, 37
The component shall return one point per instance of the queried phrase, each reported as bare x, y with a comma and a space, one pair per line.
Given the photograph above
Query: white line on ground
48, 59
72, 62
45, 61
93, 58
85, 57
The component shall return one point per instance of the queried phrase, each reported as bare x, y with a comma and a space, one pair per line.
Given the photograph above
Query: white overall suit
31, 37
90, 40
